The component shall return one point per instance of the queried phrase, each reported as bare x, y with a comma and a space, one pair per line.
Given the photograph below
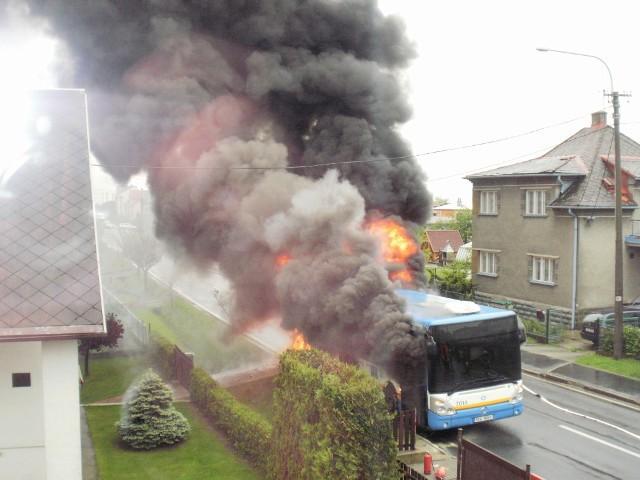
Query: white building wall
60, 391
22, 452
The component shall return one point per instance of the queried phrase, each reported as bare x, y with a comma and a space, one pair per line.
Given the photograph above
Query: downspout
574, 270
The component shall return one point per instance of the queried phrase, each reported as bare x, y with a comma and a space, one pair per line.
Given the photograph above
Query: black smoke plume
213, 98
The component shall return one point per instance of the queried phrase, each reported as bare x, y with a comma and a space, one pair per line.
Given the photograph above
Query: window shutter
474, 261
498, 201
523, 203
497, 263
530, 266
475, 202
555, 271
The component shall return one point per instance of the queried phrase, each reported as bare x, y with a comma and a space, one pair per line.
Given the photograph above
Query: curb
554, 377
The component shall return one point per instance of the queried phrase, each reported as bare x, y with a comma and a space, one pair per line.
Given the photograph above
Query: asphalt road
557, 444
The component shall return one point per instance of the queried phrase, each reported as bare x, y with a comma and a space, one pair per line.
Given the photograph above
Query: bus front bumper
472, 416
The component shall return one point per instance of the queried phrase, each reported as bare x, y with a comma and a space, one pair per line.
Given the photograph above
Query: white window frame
542, 269
535, 203
488, 202
488, 262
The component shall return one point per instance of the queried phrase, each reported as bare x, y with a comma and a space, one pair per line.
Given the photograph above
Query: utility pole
618, 332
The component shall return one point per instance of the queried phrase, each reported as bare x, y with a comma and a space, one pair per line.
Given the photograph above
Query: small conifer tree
149, 419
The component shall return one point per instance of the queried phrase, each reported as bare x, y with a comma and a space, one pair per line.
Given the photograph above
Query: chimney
599, 119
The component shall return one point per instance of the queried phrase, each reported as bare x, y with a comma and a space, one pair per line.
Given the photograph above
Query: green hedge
331, 421
247, 430
163, 355
631, 341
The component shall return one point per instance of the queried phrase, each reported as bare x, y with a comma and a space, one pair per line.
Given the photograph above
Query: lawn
110, 376
201, 333
627, 367
202, 456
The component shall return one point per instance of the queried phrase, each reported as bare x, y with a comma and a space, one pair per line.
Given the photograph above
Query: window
488, 264
535, 203
21, 379
488, 202
543, 269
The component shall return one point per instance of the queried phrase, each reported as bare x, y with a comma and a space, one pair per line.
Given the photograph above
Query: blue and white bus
473, 370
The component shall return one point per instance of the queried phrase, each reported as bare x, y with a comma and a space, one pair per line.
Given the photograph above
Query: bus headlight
441, 407
517, 393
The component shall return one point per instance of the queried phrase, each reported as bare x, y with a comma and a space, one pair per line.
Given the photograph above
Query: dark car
594, 323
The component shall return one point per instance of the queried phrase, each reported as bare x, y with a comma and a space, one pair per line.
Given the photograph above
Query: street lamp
618, 288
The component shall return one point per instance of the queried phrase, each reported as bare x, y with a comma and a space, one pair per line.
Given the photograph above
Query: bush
247, 430
456, 278
631, 341
331, 421
149, 418
163, 355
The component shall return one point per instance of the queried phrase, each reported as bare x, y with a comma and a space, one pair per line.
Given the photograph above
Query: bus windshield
474, 354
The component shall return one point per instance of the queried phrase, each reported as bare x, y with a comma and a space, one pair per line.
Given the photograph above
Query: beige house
544, 229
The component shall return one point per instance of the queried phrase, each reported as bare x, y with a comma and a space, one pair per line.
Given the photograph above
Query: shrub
331, 421
163, 355
247, 430
631, 341
149, 418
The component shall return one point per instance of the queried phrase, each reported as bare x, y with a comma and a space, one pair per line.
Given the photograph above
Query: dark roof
580, 156
49, 284
439, 239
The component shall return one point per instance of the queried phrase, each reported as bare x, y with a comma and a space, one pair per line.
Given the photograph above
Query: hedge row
247, 430
331, 421
163, 355
631, 341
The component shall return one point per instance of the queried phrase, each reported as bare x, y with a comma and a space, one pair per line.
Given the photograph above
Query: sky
478, 77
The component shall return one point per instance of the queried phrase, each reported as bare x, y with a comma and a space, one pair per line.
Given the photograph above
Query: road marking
596, 439
593, 419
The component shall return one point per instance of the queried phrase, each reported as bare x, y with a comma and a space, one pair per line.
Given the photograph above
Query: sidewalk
556, 362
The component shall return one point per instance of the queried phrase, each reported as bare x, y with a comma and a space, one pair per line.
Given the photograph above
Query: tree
149, 419
462, 223
110, 340
439, 201
142, 249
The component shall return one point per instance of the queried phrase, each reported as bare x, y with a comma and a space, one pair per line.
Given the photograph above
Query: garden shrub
331, 421
149, 418
247, 430
631, 341
163, 355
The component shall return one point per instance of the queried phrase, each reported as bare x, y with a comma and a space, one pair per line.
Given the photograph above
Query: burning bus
472, 372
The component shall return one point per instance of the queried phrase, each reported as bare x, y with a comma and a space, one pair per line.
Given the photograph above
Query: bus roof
432, 310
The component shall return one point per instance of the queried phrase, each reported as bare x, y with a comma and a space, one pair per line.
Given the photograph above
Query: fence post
459, 463
546, 325
527, 474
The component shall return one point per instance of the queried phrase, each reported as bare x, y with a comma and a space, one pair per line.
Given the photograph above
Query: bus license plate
483, 418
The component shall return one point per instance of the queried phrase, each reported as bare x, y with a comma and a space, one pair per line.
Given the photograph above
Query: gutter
574, 269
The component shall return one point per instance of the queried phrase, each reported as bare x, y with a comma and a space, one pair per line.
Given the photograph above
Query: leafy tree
149, 418
462, 223
142, 249
439, 201
115, 330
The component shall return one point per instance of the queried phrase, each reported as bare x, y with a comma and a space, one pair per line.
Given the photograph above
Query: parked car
594, 323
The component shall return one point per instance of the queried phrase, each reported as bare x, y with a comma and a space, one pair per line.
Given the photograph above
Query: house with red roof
544, 229
442, 245
50, 292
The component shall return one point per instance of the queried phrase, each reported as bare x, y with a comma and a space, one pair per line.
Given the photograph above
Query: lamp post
618, 286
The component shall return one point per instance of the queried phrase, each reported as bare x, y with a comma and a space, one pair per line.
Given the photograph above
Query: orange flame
397, 244
283, 259
298, 341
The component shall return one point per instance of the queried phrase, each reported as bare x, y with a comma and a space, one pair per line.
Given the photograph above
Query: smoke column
213, 99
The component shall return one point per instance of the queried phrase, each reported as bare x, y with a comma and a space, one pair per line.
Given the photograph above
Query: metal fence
136, 333
408, 473
477, 463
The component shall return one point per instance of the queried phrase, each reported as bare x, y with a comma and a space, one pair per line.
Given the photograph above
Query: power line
337, 164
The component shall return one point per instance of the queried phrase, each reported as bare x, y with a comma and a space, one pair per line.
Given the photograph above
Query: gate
184, 365
404, 429
476, 463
